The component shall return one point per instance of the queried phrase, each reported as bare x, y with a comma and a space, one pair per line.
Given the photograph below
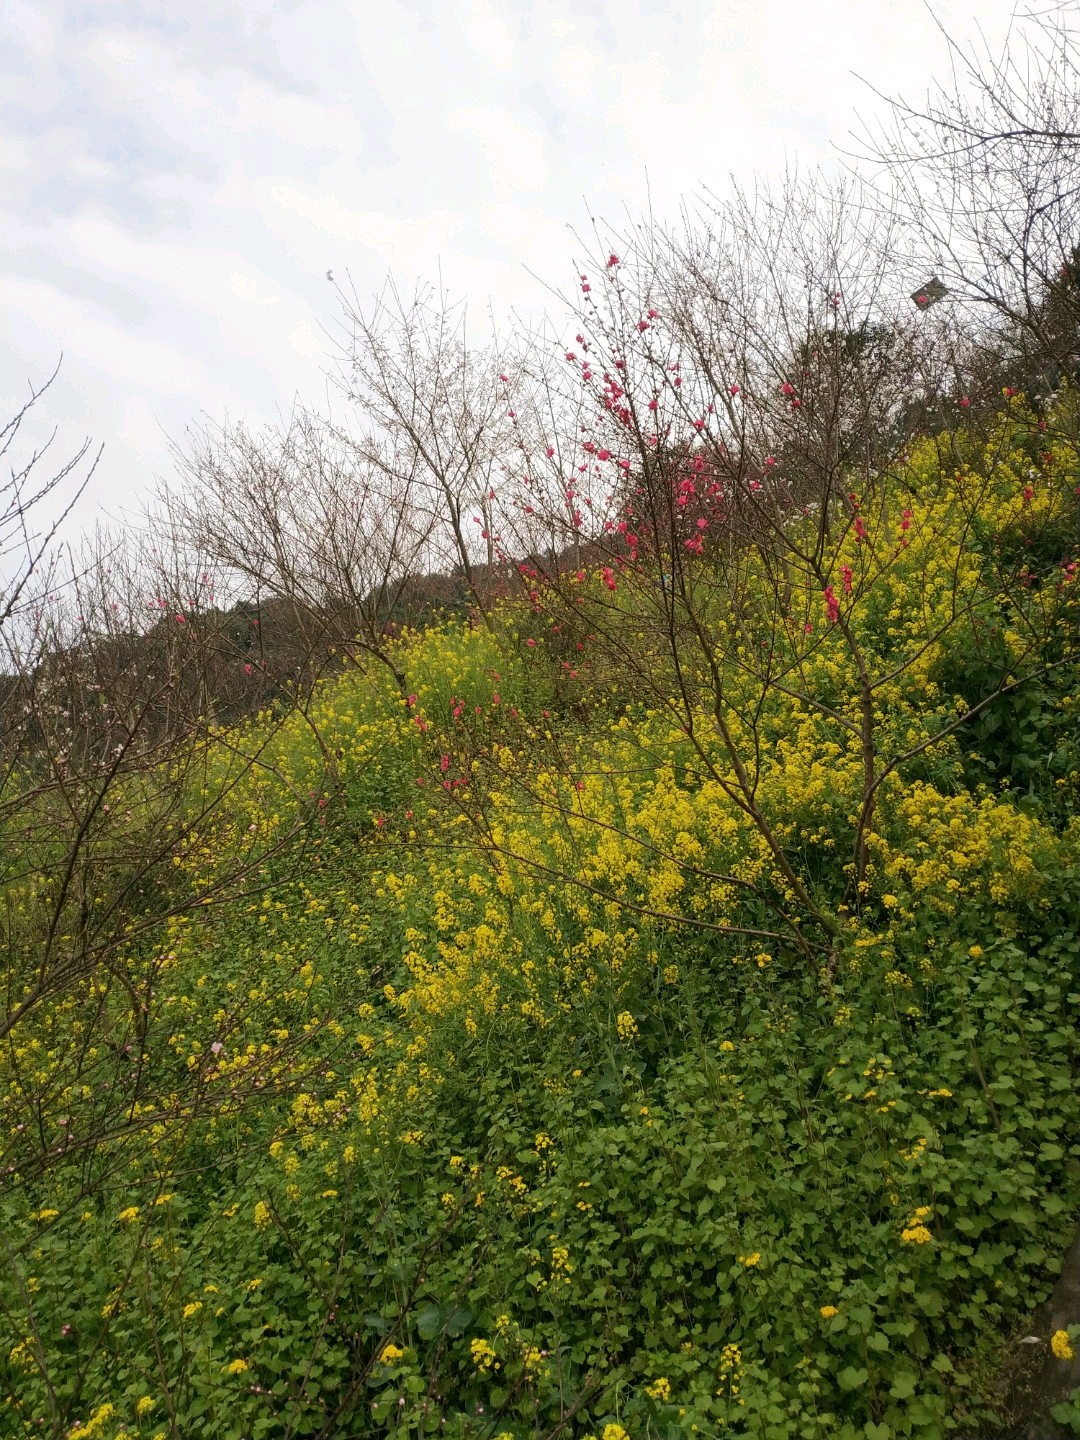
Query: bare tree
986, 174
26, 531
432, 415
111, 663
303, 515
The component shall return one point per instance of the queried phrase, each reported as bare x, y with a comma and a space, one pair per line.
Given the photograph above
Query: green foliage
505, 1099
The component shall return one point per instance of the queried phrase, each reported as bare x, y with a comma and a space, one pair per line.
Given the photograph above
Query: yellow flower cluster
1061, 1346
95, 1425
483, 1353
915, 1232
730, 1373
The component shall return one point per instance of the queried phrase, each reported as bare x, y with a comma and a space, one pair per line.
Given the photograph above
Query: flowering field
493, 1061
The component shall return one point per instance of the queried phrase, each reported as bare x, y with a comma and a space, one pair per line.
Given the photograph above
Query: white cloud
175, 188
395, 242
307, 341
512, 150
246, 288
90, 339
489, 36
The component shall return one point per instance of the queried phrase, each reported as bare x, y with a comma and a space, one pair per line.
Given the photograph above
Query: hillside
655, 1017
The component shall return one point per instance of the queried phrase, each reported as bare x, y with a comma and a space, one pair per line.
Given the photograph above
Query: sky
177, 180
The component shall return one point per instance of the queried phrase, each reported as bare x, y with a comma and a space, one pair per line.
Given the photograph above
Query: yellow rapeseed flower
483, 1353
915, 1235
1059, 1344
94, 1426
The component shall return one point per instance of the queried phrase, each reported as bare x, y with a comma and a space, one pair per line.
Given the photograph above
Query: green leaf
458, 1318
851, 1378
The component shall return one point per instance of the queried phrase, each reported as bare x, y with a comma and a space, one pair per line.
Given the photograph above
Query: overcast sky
176, 180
